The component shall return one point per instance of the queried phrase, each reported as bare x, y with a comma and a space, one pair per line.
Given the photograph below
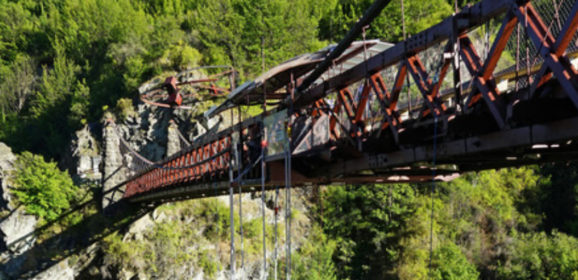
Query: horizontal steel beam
451, 151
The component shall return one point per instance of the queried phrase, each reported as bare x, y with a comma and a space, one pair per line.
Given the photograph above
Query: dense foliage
42, 188
485, 224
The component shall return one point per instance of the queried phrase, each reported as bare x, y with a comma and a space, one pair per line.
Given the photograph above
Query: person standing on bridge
175, 99
252, 145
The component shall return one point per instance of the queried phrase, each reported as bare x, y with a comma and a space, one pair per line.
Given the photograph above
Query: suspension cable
276, 205
287, 153
218, 222
456, 63
263, 174
409, 115
183, 138
263, 168
432, 193
238, 154
232, 211
517, 82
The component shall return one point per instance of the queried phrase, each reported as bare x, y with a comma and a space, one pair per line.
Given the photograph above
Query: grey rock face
87, 156
145, 134
17, 227
61, 271
173, 141
114, 170
18, 231
137, 229
7, 159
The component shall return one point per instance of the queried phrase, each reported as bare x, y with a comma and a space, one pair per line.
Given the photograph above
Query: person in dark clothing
175, 98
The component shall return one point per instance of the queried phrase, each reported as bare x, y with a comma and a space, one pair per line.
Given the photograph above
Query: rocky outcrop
73, 267
147, 132
16, 227
87, 157
18, 231
7, 160
61, 271
173, 140
139, 227
114, 168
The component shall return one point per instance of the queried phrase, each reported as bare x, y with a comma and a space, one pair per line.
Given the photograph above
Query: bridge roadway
347, 127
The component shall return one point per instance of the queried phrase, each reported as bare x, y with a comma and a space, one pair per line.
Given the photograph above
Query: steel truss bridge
435, 105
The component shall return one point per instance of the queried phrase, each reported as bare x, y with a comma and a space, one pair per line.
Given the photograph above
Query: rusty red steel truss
206, 162
202, 162
366, 117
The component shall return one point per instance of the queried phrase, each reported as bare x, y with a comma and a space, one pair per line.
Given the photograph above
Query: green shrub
313, 260
208, 265
542, 256
124, 108
127, 253
215, 215
450, 263
42, 188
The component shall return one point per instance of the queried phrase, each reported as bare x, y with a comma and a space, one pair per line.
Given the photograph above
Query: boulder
61, 271
137, 229
18, 231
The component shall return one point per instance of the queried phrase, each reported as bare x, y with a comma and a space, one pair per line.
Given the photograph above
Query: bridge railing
218, 158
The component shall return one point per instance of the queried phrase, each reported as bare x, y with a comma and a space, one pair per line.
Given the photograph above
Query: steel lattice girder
210, 160
482, 71
464, 21
552, 49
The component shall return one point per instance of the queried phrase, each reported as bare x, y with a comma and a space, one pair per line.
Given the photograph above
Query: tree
235, 32
558, 197
17, 84
542, 256
449, 263
56, 108
314, 260
42, 188
367, 223
419, 15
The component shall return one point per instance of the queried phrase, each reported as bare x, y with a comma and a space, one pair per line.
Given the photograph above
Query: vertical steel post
240, 183
276, 212
232, 207
263, 145
288, 183
456, 61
